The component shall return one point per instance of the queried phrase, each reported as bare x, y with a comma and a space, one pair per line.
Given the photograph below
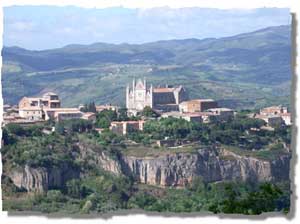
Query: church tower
138, 97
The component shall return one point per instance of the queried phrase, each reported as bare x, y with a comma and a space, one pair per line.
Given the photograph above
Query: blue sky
46, 27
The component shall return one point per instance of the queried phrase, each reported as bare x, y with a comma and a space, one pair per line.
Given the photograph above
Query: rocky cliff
173, 169
41, 179
95, 156
212, 165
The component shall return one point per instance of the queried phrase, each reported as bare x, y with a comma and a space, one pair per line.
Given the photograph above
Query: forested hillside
246, 70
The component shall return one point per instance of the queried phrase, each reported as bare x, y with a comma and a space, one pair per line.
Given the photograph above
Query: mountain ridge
153, 42
209, 67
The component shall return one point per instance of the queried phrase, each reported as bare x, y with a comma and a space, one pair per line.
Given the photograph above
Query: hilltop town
162, 141
159, 121
162, 101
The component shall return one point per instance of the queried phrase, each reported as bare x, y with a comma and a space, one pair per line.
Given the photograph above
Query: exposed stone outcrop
99, 158
173, 169
212, 165
41, 179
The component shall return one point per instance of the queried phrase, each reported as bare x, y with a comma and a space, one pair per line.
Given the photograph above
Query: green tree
149, 112
122, 114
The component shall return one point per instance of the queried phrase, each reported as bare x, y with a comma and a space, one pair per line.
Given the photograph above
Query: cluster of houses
274, 116
46, 107
167, 101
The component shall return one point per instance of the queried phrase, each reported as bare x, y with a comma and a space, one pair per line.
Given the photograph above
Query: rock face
179, 169
174, 169
41, 179
99, 158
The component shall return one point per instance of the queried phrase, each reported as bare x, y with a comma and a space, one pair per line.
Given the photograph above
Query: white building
138, 97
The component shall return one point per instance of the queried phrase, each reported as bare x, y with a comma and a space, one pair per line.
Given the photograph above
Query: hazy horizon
48, 27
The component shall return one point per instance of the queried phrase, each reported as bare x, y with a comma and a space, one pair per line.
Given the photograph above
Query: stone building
47, 107
90, 116
60, 114
273, 110
275, 115
32, 108
168, 98
192, 117
161, 98
221, 114
271, 120
197, 105
139, 96
125, 127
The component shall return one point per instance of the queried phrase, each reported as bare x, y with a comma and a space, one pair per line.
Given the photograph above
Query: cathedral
162, 99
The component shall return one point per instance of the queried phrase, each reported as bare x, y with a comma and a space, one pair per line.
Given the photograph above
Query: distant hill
247, 70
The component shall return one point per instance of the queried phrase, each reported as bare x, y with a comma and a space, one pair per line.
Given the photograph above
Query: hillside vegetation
247, 70
76, 146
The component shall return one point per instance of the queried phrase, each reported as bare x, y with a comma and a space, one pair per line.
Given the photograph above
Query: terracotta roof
128, 122
62, 109
163, 90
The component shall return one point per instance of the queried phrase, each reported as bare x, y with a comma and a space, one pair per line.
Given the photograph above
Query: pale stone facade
138, 97
191, 117
90, 116
222, 114
32, 108
161, 98
125, 127
59, 114
47, 107
197, 105
275, 115
274, 110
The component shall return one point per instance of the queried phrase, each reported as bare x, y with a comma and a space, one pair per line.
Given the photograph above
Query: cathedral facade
139, 96
161, 98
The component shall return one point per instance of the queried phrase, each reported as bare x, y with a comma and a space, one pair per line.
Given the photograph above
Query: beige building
125, 127
33, 113
275, 115
197, 105
90, 116
32, 108
49, 107
222, 114
192, 117
273, 110
59, 114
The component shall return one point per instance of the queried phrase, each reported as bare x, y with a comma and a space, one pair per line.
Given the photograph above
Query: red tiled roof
163, 90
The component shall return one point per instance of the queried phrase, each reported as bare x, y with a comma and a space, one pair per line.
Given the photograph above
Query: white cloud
52, 27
